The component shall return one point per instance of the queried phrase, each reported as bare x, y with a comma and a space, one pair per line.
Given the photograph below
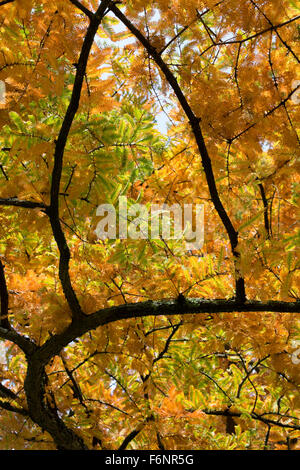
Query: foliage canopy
139, 344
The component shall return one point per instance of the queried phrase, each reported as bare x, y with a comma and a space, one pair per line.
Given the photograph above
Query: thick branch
5, 405
27, 346
47, 418
58, 161
84, 10
13, 201
5, 2
129, 438
41, 413
156, 308
206, 161
7, 394
3, 299
265, 203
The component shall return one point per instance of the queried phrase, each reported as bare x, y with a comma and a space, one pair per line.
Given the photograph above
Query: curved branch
60, 145
156, 308
40, 411
45, 416
7, 394
25, 344
84, 10
129, 438
196, 129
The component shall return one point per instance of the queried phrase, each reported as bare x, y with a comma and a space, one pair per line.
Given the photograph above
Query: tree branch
129, 438
5, 2
196, 129
25, 344
105, 316
13, 201
3, 299
254, 416
266, 208
84, 10
6, 393
8, 407
34, 385
58, 162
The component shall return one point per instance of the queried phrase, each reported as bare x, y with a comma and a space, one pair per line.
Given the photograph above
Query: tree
141, 344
